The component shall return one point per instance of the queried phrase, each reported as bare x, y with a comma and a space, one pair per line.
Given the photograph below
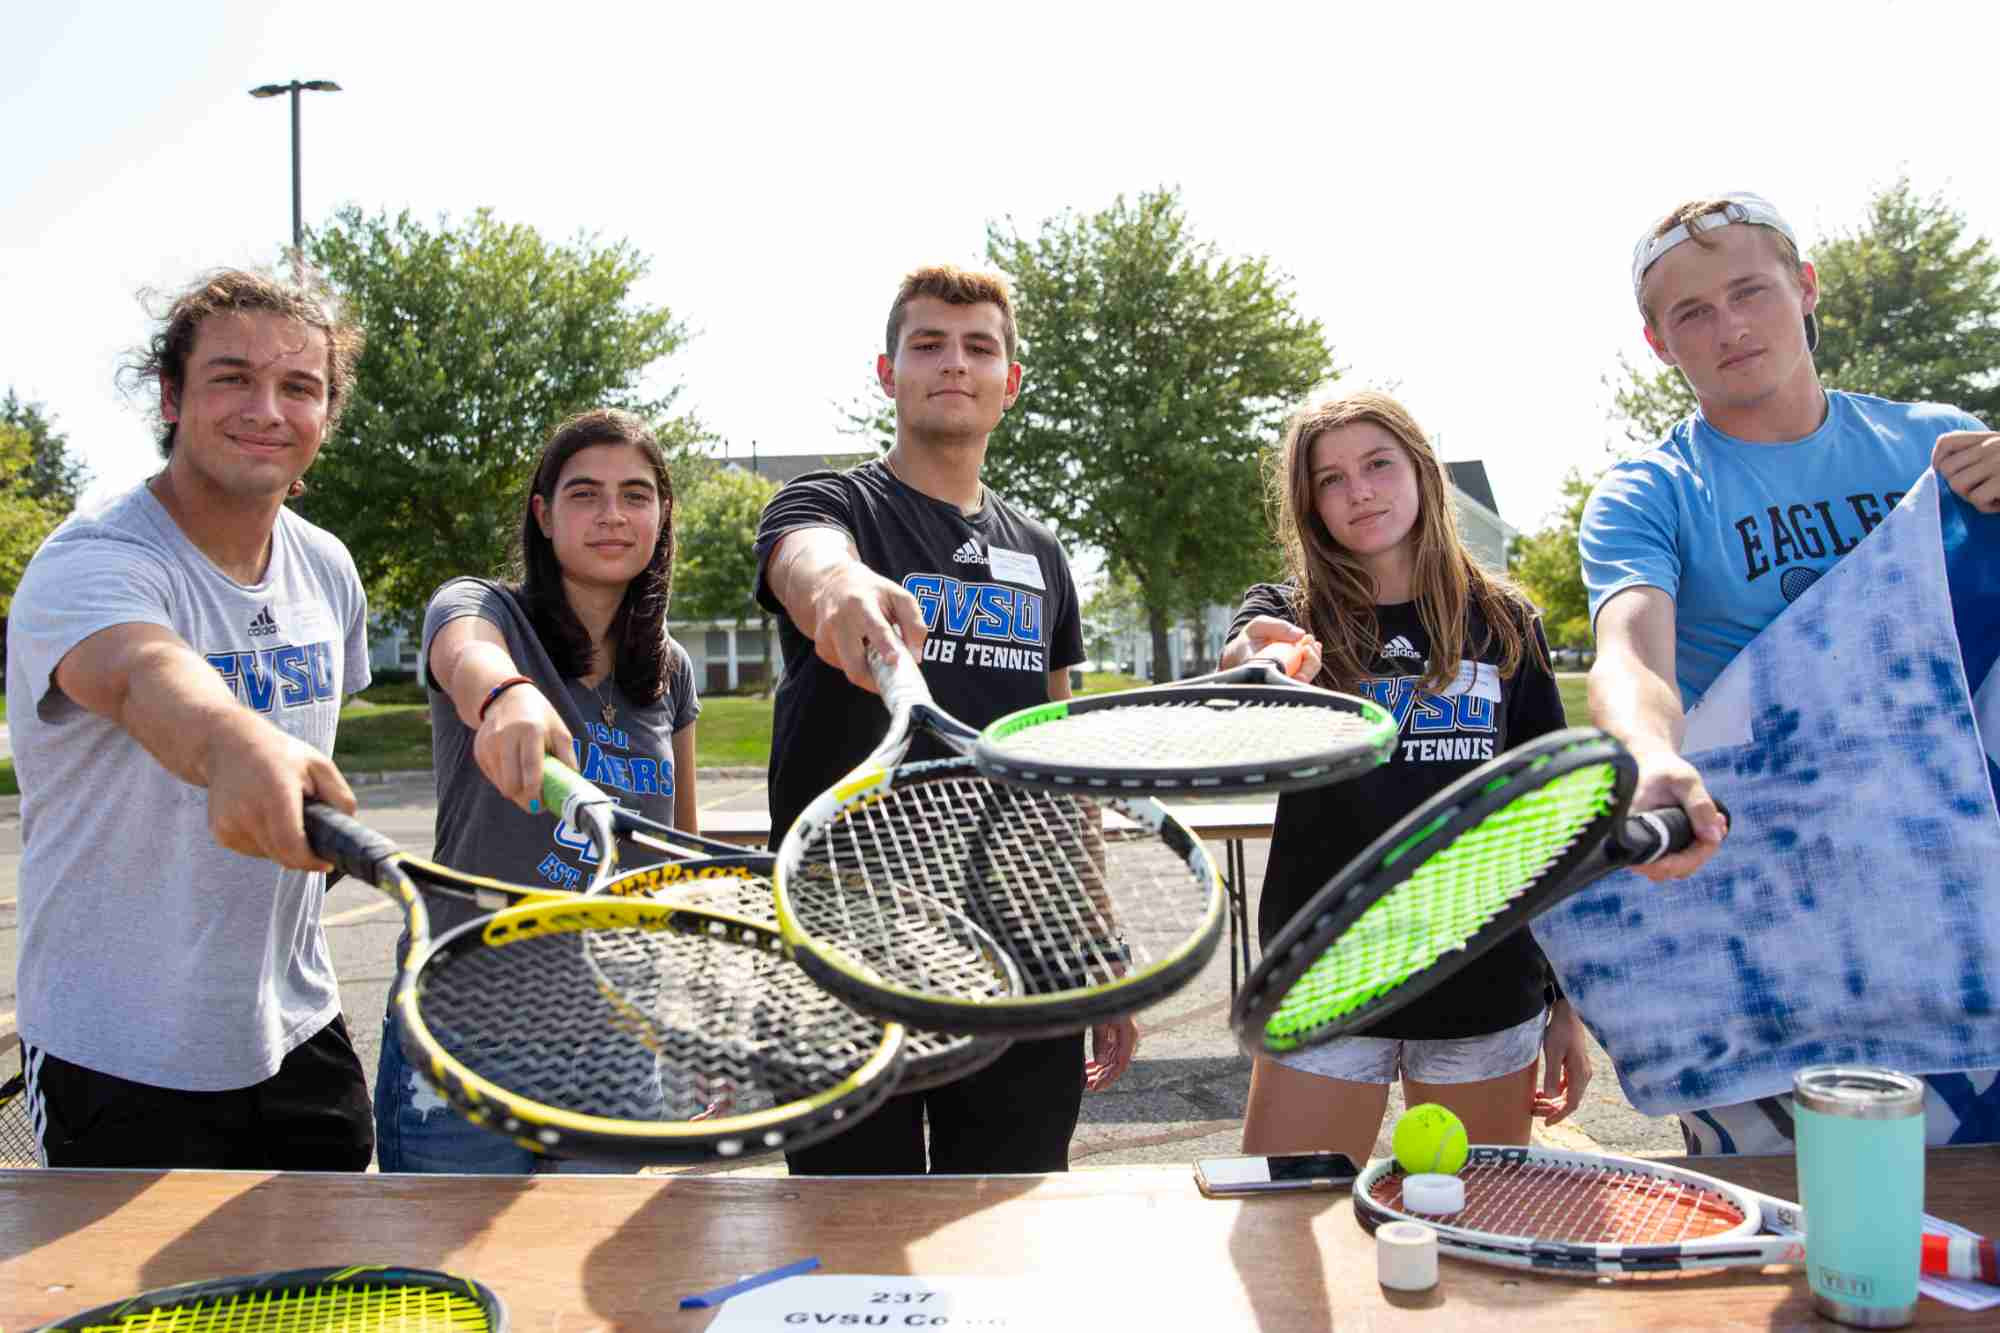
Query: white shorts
1447, 1060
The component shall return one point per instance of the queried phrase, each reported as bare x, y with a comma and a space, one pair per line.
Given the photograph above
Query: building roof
1470, 477
782, 468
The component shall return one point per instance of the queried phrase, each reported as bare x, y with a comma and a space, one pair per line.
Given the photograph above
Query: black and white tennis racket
1251, 728
20, 1146
1586, 1215
622, 1029
1103, 904
367, 1296
720, 877
1448, 882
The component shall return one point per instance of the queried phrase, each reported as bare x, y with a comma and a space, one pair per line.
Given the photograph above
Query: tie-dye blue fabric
1853, 914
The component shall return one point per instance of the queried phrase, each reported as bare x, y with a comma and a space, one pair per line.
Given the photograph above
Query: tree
715, 561
481, 338
1547, 566
25, 517
1909, 308
1158, 372
53, 474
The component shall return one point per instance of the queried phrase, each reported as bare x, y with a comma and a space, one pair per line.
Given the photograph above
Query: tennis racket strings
1073, 900
683, 1024
1446, 900
1597, 1204
1170, 743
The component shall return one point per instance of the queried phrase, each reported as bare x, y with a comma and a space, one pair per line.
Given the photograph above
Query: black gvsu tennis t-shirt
997, 598
1440, 738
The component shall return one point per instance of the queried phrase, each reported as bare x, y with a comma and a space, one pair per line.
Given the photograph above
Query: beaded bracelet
499, 690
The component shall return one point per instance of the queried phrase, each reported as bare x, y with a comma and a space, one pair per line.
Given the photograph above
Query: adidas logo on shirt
262, 624
1400, 647
969, 554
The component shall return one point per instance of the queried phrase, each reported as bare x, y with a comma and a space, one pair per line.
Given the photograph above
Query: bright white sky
1454, 191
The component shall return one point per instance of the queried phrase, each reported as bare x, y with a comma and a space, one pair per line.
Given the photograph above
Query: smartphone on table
1222, 1177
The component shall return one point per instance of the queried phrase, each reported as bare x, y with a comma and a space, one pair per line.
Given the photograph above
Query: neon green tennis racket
1460, 873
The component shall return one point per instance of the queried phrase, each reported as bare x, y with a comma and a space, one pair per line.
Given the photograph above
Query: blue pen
703, 1300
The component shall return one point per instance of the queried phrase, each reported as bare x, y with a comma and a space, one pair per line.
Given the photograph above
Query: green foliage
53, 474
1909, 309
715, 560
481, 338
1546, 565
1157, 373
870, 417
25, 517
1910, 306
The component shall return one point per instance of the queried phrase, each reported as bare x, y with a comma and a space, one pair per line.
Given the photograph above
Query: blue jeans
415, 1130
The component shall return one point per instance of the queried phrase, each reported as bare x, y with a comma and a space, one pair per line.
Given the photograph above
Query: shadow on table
96, 1196
344, 1219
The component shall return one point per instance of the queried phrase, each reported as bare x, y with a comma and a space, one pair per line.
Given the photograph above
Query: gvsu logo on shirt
978, 623
287, 676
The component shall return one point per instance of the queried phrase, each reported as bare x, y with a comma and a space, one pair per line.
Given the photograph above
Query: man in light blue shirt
1690, 550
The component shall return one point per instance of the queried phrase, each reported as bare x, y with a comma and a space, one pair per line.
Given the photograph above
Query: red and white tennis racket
1591, 1216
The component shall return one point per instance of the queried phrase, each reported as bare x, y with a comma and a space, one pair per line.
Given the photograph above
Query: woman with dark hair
573, 660
1393, 605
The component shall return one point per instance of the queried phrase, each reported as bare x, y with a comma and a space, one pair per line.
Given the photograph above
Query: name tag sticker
302, 621
847, 1300
1481, 680
1015, 567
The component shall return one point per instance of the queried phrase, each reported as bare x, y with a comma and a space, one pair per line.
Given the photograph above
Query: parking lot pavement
1182, 1098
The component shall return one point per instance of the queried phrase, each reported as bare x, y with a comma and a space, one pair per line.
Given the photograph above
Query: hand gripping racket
621, 1029
1581, 1214
1250, 728
1448, 882
369, 1296
1105, 905
723, 878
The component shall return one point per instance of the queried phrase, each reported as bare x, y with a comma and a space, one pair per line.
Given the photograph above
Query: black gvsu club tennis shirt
997, 599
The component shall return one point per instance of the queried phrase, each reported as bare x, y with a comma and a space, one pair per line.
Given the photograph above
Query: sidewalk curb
10, 806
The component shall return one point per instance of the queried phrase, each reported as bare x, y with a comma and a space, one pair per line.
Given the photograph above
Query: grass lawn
389, 727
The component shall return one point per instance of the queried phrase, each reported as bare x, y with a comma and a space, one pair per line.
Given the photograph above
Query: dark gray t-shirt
146, 950
478, 829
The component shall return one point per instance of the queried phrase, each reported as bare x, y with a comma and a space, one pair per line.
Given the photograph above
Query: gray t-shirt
146, 950
632, 758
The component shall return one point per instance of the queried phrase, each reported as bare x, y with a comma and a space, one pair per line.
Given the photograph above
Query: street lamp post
295, 87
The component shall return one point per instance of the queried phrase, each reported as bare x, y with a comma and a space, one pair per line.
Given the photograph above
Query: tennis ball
1429, 1138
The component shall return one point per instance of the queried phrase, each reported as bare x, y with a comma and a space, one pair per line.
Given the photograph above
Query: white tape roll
1406, 1256
1433, 1195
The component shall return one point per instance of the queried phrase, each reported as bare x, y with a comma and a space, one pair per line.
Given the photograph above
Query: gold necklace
605, 708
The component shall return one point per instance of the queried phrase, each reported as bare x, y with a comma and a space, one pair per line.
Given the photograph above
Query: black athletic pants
312, 1115
1015, 1115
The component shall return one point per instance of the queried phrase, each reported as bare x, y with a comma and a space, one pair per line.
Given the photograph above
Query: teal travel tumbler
1861, 1179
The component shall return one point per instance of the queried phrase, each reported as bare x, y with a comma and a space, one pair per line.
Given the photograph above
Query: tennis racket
19, 1145
1585, 1215
1448, 882
617, 1028
1105, 904
1251, 728
721, 877
369, 1296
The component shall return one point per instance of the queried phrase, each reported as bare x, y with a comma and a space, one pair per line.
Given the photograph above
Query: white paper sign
1015, 567
855, 1300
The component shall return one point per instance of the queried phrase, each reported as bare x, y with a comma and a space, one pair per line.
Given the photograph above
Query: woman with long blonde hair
1392, 605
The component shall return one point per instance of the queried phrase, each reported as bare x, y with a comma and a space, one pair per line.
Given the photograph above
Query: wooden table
583, 1252
1232, 823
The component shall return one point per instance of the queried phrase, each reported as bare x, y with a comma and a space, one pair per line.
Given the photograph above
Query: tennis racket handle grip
1960, 1257
562, 784
898, 678
1653, 834
346, 841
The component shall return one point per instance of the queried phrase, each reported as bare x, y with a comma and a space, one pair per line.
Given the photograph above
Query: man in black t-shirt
914, 545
